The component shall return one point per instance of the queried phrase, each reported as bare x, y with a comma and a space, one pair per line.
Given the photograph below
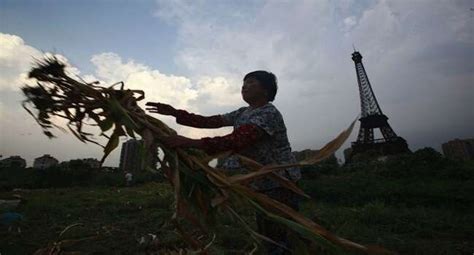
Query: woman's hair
267, 79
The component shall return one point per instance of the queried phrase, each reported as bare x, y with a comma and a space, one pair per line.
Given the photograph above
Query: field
418, 204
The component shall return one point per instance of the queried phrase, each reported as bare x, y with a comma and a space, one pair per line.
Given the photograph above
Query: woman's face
252, 91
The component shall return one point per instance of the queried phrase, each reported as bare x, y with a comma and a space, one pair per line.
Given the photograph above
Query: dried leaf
330, 147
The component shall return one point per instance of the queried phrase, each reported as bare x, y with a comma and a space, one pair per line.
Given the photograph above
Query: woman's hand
176, 141
160, 108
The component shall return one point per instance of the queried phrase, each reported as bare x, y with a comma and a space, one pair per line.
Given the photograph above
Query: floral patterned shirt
273, 148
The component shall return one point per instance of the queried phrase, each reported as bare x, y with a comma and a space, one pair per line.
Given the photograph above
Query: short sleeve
268, 120
231, 117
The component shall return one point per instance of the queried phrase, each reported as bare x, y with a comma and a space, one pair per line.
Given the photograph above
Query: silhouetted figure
259, 133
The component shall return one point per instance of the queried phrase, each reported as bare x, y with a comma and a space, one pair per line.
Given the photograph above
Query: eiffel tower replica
372, 118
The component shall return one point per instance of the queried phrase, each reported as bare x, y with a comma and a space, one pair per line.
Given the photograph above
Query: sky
419, 56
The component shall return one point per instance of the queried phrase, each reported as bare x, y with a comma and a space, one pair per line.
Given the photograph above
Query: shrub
56, 177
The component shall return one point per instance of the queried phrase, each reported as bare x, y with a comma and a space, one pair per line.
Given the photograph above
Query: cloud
19, 130
19, 133
418, 55
175, 90
181, 92
350, 22
219, 91
15, 60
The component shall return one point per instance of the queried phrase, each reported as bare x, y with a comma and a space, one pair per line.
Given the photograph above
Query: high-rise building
460, 149
45, 161
133, 157
130, 156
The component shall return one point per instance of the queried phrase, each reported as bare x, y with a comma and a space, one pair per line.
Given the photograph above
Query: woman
259, 133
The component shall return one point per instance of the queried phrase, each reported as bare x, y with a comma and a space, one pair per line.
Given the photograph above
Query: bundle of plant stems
200, 191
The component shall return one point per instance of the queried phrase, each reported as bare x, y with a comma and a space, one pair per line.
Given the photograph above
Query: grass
385, 204
113, 218
116, 215
408, 204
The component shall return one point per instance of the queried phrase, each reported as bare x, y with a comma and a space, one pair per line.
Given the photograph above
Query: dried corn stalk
200, 191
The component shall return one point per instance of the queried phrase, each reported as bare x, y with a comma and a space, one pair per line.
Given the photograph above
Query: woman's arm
193, 120
241, 138
188, 119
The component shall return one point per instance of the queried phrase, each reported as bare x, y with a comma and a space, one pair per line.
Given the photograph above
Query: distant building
132, 159
13, 161
45, 161
80, 163
109, 169
129, 156
460, 149
91, 162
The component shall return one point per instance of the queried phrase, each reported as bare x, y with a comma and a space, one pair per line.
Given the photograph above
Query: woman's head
259, 85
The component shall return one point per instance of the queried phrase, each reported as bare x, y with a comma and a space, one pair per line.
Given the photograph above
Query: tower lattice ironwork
372, 118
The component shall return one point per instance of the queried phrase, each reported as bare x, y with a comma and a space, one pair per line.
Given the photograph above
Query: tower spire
372, 118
